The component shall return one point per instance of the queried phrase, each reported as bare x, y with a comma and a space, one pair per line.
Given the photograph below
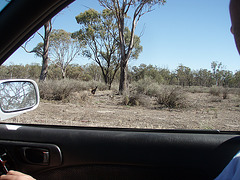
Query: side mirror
17, 96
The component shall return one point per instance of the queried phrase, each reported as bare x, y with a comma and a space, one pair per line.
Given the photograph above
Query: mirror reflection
15, 96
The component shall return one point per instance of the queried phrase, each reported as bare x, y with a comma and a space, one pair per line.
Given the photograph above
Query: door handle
38, 156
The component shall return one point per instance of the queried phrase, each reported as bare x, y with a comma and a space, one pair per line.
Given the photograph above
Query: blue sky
189, 32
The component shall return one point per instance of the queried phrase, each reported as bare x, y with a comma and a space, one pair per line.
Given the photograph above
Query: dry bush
55, 89
215, 99
146, 86
234, 91
78, 97
131, 100
218, 91
136, 99
172, 97
101, 86
225, 93
125, 100
197, 89
59, 90
168, 96
115, 87
215, 91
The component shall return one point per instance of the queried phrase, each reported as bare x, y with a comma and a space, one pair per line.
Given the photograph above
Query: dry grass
155, 106
172, 97
215, 91
146, 86
135, 99
104, 109
59, 90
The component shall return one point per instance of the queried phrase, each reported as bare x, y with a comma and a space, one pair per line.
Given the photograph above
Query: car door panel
123, 153
30, 155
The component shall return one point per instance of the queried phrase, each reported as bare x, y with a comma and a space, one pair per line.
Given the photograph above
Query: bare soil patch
105, 109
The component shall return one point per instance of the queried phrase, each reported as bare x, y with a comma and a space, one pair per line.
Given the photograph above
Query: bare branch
26, 50
40, 35
129, 5
50, 24
25, 44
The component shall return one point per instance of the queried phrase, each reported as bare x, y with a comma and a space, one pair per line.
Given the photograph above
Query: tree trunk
44, 70
63, 73
123, 63
123, 78
47, 31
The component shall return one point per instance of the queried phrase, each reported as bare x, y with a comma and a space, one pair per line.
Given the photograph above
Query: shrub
172, 97
78, 97
147, 86
131, 100
135, 99
196, 89
225, 92
59, 90
125, 100
215, 91
218, 91
55, 89
234, 91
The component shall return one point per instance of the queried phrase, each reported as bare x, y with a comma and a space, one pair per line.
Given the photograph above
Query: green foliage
38, 50
144, 79
217, 71
137, 47
90, 15
203, 77
20, 71
60, 37
33, 70
162, 76
54, 72
98, 31
236, 79
127, 41
146, 86
226, 78
184, 75
63, 49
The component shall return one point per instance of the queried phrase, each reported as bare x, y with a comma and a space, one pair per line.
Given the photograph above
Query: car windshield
181, 67
3, 4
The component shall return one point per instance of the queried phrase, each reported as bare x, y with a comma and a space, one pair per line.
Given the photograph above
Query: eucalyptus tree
42, 49
184, 75
203, 77
63, 49
217, 69
121, 10
99, 31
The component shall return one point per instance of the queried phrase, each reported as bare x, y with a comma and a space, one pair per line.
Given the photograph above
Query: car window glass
3, 4
183, 72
